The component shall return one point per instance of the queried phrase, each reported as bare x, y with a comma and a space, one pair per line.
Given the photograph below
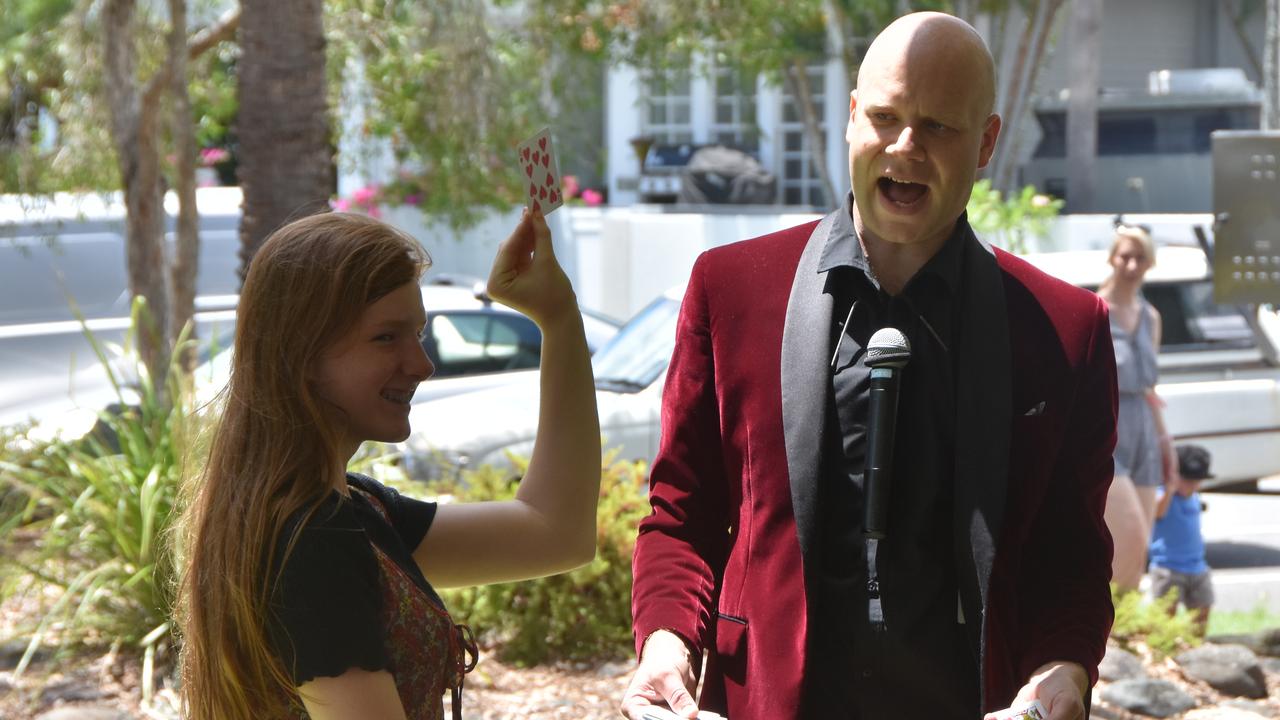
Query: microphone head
888, 347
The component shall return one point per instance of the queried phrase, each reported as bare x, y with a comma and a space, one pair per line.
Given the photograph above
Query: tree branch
222, 30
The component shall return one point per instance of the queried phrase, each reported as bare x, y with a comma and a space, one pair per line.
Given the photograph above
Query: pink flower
213, 155
340, 205
570, 186
413, 199
365, 196
592, 197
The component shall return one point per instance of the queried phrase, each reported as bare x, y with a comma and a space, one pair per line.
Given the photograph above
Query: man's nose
905, 143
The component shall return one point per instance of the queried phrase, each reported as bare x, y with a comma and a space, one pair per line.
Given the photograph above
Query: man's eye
384, 337
881, 116
937, 126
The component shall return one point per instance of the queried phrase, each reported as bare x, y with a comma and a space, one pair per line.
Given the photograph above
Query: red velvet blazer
722, 559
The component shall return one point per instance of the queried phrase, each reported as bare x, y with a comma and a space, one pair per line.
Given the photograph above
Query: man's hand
1059, 686
665, 676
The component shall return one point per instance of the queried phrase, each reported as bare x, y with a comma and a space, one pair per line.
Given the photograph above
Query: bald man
990, 587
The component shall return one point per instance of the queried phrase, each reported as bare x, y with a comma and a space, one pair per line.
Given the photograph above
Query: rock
1271, 665
1120, 664
5, 684
1158, 698
1230, 669
11, 653
68, 690
1221, 713
1264, 642
1256, 708
84, 712
615, 669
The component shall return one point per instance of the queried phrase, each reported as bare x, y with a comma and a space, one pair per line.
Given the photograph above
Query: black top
326, 611
923, 657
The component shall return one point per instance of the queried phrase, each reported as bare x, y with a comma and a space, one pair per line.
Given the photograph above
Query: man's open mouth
901, 192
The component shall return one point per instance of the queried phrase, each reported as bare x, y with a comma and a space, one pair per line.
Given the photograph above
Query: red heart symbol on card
537, 157
545, 159
528, 170
542, 193
551, 180
555, 196
533, 190
525, 154
536, 206
542, 143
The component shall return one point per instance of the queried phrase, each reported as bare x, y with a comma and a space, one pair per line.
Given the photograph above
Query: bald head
930, 42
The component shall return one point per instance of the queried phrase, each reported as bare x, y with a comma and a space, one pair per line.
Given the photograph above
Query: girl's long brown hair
273, 452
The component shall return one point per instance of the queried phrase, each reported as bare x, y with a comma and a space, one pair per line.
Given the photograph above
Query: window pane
657, 114
793, 196
793, 142
793, 170
681, 112
724, 113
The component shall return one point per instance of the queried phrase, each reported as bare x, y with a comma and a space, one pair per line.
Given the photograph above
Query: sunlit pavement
1242, 539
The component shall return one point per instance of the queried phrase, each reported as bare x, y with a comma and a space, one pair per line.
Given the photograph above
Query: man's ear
853, 102
990, 132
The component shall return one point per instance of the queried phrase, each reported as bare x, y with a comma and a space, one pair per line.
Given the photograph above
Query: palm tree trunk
285, 159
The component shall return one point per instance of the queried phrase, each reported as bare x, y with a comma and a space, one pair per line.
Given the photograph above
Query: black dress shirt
922, 659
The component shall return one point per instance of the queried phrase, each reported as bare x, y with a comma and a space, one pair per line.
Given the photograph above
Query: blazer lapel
983, 401
806, 340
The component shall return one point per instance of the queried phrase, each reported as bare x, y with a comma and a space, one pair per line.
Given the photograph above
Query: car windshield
638, 354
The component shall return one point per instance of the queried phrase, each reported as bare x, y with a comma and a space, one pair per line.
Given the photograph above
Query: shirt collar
842, 249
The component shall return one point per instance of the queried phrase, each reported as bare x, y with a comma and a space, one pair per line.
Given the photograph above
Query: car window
1191, 320
641, 350
473, 343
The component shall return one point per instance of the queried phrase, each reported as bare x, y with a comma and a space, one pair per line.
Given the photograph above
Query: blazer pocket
731, 646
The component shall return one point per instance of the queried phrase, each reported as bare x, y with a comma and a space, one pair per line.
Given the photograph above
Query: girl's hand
526, 276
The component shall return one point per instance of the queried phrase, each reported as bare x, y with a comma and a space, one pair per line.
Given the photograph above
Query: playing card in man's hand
541, 174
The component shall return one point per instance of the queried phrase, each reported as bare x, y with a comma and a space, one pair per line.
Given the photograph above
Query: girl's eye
385, 337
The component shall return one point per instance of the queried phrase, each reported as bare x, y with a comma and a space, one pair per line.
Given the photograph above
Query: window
667, 117
801, 184
1158, 131
1190, 320
472, 343
733, 121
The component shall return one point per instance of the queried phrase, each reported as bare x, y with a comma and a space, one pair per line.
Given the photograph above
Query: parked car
1219, 378
474, 342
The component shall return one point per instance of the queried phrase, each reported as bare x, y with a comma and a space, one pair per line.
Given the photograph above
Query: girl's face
370, 374
1129, 260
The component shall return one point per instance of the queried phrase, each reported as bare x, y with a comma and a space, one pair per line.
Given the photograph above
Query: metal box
1246, 203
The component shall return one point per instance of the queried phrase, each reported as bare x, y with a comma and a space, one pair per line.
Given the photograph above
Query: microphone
887, 352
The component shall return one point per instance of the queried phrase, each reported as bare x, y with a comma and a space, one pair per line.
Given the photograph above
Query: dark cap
1193, 462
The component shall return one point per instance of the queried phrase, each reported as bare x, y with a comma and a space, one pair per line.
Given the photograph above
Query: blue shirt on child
1176, 542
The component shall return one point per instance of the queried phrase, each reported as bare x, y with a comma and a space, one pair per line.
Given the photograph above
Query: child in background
1177, 547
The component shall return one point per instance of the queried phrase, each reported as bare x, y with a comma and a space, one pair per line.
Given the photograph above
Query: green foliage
452, 90
100, 508
581, 615
1243, 622
1007, 222
1152, 623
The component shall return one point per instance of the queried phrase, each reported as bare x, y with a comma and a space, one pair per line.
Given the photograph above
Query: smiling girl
310, 591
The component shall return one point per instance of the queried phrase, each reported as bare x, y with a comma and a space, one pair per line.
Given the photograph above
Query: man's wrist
1073, 670
665, 638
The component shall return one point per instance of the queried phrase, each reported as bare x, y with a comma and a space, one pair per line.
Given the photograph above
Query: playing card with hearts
536, 158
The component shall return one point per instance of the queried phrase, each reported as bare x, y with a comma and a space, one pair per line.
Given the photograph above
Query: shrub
1150, 623
100, 508
580, 615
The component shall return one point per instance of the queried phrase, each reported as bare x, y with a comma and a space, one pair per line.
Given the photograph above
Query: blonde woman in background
1144, 452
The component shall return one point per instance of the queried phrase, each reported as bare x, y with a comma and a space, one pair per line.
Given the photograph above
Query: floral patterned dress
351, 596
